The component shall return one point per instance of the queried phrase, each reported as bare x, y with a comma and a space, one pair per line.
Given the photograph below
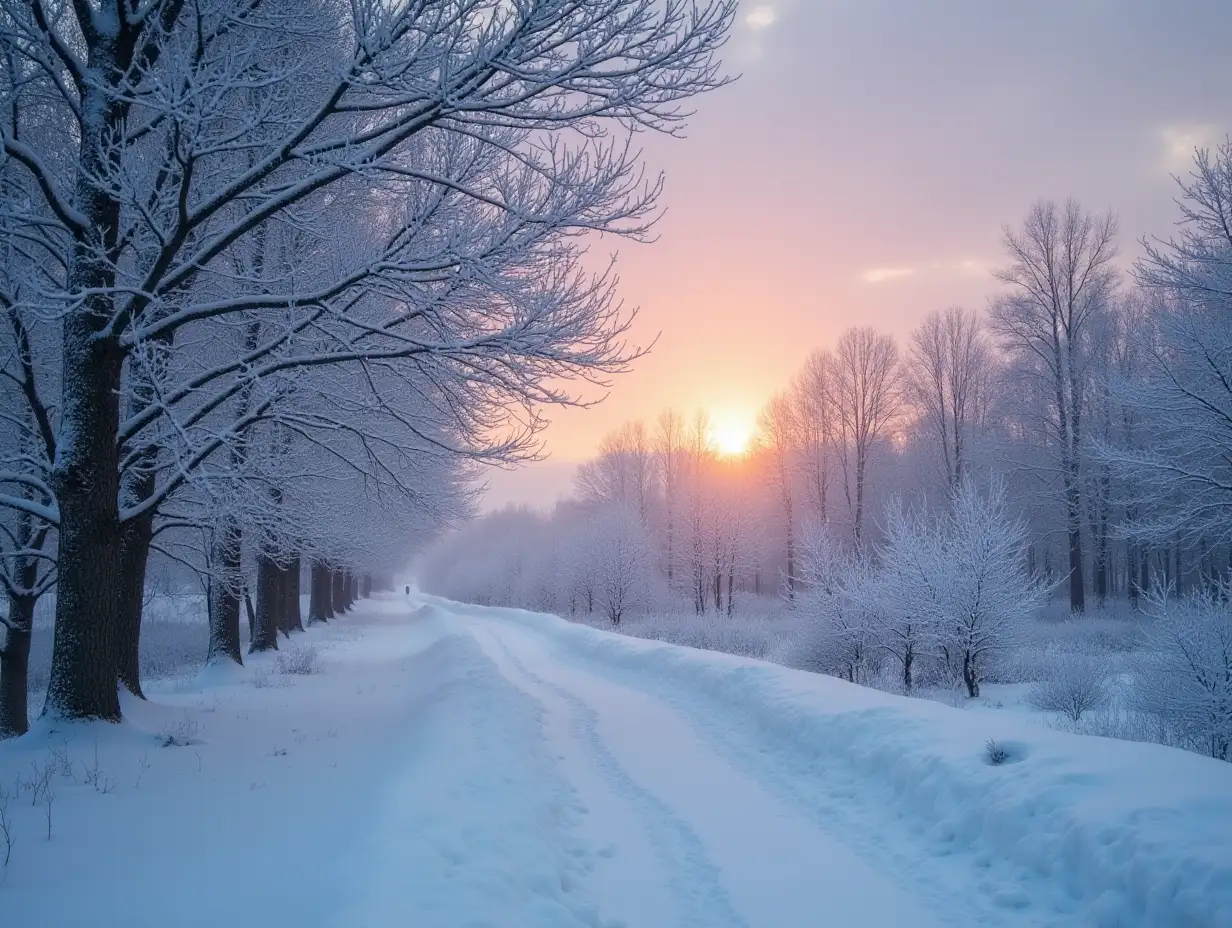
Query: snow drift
1124, 834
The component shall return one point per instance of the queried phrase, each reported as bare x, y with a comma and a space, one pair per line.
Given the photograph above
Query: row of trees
1098, 401
277, 275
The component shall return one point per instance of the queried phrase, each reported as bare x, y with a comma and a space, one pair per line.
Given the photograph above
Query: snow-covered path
686, 838
452, 766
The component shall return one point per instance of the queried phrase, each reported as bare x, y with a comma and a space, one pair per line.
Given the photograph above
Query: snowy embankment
1105, 832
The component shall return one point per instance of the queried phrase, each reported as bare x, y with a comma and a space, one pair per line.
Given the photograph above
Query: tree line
1095, 398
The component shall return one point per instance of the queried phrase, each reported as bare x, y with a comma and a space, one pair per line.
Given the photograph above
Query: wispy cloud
964, 266
761, 17
1179, 143
879, 275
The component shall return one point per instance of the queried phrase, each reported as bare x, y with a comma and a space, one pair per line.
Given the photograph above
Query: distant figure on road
408, 590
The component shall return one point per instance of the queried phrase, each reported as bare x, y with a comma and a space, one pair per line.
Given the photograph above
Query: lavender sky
861, 169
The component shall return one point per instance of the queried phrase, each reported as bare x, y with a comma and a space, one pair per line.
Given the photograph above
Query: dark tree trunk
134, 557
320, 605
291, 611
365, 587
336, 591
84, 652
1077, 590
908, 661
224, 595
15, 668
269, 602
970, 676
86, 472
280, 608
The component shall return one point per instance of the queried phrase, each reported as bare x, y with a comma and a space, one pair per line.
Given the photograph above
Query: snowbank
1125, 834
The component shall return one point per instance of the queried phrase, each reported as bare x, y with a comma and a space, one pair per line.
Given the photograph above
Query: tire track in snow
830, 794
696, 884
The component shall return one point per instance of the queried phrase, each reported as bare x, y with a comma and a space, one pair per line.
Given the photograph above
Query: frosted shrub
838, 627
298, 659
984, 594
1076, 684
1183, 676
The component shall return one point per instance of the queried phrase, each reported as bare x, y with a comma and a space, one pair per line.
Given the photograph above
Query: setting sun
731, 434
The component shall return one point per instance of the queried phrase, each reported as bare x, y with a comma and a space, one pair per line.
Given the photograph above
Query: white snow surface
454, 765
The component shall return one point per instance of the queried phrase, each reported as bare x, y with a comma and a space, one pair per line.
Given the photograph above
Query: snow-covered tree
468, 143
985, 593
620, 553
1060, 278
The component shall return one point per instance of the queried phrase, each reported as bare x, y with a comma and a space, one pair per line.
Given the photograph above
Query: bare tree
811, 394
866, 396
948, 366
777, 440
622, 473
669, 446
1060, 277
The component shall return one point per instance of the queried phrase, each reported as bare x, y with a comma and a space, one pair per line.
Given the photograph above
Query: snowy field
448, 765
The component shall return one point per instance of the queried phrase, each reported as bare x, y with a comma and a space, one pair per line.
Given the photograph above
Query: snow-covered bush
1076, 684
906, 599
985, 594
840, 597
1183, 676
298, 659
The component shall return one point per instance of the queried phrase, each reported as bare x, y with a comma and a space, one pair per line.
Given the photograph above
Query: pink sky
861, 169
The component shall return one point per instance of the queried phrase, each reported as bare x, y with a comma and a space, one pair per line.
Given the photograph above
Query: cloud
879, 275
761, 17
969, 267
1179, 143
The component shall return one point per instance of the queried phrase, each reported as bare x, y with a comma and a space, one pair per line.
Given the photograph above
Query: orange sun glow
731, 435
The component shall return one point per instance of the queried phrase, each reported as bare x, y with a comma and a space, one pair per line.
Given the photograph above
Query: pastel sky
862, 167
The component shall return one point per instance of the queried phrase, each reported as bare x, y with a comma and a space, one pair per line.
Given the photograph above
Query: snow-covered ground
451, 765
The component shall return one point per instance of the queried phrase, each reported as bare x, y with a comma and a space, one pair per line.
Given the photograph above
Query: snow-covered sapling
179, 734
997, 755
1184, 676
1076, 684
6, 827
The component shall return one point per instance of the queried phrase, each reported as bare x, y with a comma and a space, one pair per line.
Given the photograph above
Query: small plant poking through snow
179, 734
299, 659
997, 755
6, 828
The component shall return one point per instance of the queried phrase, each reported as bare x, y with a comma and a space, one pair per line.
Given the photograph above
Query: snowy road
686, 838
451, 766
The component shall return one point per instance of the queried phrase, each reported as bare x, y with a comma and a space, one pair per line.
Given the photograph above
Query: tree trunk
269, 600
84, 652
1077, 590
291, 612
320, 607
134, 558
336, 592
908, 661
224, 595
14, 668
970, 676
